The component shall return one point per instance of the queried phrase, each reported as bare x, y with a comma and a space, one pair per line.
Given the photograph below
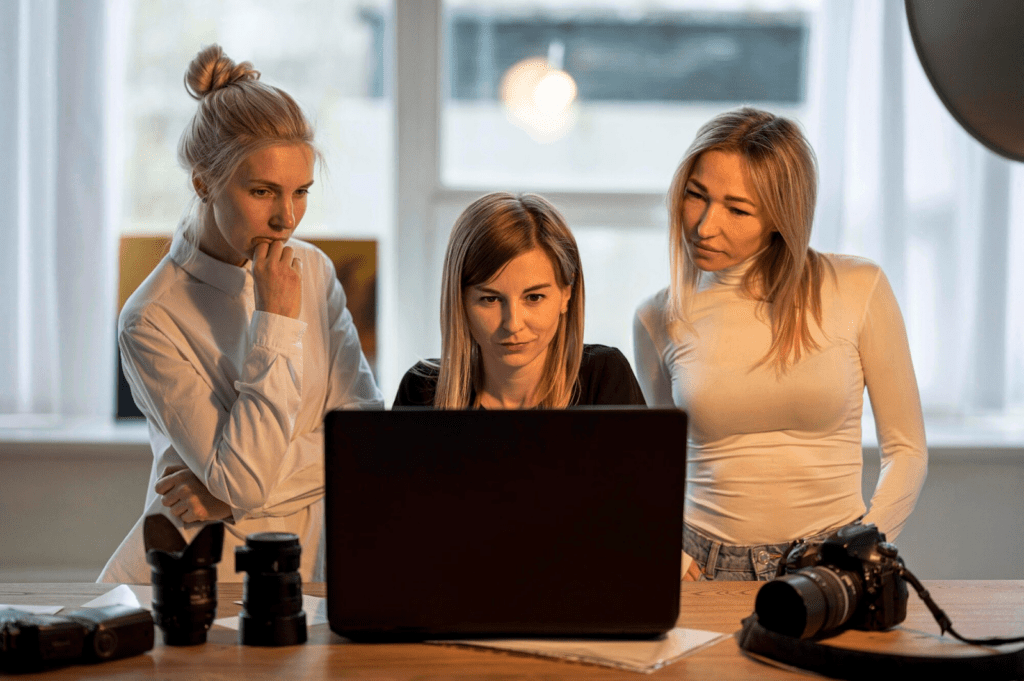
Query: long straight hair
787, 276
489, 233
237, 116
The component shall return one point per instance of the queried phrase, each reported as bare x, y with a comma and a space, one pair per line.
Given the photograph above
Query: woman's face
722, 224
264, 200
514, 316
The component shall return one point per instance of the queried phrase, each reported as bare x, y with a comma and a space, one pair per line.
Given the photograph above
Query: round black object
808, 602
272, 612
973, 54
184, 604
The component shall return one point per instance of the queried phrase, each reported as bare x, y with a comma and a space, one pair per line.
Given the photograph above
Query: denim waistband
724, 562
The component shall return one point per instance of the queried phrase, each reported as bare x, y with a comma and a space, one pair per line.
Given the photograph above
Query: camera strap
845, 663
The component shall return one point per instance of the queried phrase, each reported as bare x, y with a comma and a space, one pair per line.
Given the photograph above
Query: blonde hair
489, 233
237, 116
787, 275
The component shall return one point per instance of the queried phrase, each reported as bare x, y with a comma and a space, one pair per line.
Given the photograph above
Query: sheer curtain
59, 185
904, 185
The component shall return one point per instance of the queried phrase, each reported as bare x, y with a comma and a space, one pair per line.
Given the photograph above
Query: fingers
172, 476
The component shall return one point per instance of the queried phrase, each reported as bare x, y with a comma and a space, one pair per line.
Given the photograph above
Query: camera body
31, 642
851, 579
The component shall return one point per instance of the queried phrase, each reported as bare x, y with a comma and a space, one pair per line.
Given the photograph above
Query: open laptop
459, 524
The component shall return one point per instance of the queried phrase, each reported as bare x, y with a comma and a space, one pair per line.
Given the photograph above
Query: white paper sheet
119, 595
635, 656
35, 609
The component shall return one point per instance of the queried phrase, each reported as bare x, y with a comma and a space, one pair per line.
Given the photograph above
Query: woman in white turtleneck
768, 345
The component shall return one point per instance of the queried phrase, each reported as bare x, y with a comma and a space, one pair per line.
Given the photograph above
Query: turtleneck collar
729, 276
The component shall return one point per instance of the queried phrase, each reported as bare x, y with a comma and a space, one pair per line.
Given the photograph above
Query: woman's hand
187, 497
277, 274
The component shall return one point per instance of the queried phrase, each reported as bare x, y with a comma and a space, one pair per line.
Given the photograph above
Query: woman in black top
512, 318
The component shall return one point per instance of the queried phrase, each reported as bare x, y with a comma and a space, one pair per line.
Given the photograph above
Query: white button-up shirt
239, 396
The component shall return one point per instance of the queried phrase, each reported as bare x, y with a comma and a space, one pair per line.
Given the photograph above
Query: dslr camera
854, 578
33, 642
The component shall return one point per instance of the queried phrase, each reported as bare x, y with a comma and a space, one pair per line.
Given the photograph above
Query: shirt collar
230, 279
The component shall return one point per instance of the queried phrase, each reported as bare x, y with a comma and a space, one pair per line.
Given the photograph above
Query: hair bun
212, 70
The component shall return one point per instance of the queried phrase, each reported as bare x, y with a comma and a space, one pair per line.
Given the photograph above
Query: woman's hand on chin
277, 274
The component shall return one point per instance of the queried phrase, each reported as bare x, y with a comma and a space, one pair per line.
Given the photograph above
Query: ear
199, 186
566, 297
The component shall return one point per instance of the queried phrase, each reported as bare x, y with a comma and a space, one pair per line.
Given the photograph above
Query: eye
535, 297
302, 192
737, 211
489, 300
261, 192
693, 194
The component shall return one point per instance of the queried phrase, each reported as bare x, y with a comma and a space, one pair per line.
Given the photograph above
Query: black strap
844, 663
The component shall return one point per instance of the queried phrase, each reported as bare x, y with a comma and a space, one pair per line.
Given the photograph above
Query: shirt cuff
276, 332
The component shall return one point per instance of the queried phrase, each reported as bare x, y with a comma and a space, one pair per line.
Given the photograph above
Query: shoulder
853, 270
155, 296
418, 385
313, 258
653, 310
596, 356
607, 378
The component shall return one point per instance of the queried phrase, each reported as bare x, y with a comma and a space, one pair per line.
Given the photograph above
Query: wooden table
977, 608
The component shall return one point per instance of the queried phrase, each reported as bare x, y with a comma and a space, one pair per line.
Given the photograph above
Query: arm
892, 389
351, 384
235, 449
418, 386
650, 369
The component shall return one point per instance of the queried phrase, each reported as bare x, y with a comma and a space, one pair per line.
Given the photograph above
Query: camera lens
272, 612
808, 601
184, 579
184, 603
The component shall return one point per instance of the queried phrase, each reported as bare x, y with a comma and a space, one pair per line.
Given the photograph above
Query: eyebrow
740, 199
533, 288
275, 185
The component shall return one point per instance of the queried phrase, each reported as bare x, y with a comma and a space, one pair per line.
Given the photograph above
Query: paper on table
635, 656
122, 594
34, 609
314, 607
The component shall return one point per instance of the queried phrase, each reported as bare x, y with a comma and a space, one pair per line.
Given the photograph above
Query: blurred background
423, 105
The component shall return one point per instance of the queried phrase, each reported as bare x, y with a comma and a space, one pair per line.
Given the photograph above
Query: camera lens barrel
272, 612
808, 601
184, 604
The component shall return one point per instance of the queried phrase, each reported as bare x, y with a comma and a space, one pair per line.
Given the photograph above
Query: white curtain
904, 185
59, 192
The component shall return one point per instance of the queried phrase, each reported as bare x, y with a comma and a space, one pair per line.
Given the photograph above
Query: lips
512, 346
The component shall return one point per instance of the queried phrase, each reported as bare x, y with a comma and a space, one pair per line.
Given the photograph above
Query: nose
512, 317
283, 217
708, 224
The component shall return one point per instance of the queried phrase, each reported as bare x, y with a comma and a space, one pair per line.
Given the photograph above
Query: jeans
727, 563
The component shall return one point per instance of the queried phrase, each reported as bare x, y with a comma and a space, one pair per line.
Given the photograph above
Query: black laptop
537, 523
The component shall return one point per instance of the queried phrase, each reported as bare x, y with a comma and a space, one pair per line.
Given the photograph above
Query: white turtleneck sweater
776, 457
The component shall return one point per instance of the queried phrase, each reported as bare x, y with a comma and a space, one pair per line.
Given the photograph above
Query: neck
512, 387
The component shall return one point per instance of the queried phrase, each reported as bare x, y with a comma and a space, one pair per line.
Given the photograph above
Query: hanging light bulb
539, 96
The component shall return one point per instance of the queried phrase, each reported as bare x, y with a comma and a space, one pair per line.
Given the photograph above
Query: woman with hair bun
768, 345
512, 318
239, 342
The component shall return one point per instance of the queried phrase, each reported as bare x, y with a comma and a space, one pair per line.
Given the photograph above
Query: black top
605, 378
